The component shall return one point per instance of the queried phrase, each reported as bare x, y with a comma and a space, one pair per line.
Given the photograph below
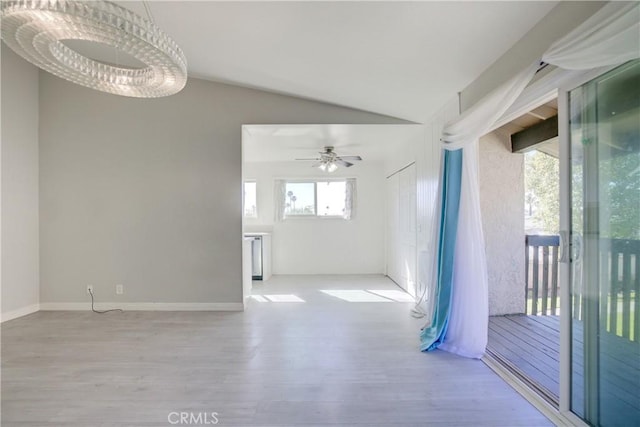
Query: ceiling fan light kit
36, 29
329, 160
328, 167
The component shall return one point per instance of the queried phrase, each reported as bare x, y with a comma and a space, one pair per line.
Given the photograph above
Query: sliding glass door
604, 137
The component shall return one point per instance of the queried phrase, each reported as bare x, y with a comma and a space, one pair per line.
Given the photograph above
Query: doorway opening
519, 175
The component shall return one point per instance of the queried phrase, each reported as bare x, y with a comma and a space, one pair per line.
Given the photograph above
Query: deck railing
541, 269
620, 298
619, 269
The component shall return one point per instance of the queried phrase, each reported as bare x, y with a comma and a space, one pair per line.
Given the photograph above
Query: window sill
314, 217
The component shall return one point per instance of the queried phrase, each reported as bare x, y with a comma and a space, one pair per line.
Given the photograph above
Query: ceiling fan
329, 160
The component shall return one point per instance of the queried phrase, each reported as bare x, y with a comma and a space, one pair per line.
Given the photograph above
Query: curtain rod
542, 66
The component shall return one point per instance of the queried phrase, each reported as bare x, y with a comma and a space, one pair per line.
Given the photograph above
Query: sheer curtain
280, 198
461, 312
611, 36
350, 199
460, 318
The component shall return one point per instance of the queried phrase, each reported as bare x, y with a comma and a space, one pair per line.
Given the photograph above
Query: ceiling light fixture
329, 160
36, 29
328, 166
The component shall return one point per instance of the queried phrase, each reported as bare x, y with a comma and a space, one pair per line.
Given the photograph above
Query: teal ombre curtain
432, 336
461, 310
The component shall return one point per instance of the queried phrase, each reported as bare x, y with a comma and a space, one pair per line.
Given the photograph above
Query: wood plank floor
326, 361
531, 345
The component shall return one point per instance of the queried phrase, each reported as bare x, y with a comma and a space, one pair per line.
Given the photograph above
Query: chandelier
37, 29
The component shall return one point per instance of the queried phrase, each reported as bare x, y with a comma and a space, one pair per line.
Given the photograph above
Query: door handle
564, 246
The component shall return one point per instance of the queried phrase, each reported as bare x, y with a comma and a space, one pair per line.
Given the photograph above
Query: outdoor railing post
548, 286
527, 282
613, 291
545, 278
534, 302
626, 294
554, 280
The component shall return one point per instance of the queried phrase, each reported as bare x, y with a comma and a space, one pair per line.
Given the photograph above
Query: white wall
323, 245
20, 258
147, 192
502, 207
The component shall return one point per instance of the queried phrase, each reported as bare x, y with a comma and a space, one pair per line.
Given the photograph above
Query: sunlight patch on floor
355, 295
283, 298
397, 296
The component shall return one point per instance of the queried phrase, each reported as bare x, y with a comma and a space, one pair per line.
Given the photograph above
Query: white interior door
393, 205
401, 226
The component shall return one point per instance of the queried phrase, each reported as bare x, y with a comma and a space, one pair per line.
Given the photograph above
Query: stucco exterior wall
502, 204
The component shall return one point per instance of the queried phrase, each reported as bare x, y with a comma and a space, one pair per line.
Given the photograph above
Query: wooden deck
530, 347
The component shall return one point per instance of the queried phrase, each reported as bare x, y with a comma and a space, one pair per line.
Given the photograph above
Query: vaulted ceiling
402, 59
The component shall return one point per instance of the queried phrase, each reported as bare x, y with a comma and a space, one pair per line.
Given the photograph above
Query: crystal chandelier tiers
36, 29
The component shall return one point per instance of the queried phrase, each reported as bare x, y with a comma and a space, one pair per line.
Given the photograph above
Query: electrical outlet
119, 289
89, 289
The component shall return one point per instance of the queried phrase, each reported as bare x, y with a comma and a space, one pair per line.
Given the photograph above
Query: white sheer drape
609, 37
476, 121
467, 328
280, 198
350, 199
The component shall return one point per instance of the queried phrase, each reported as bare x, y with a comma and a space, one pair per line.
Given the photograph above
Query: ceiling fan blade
343, 163
351, 158
316, 159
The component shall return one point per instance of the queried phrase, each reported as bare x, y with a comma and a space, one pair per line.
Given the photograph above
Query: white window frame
315, 215
244, 196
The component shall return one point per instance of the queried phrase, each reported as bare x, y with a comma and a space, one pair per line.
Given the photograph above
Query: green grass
619, 325
530, 305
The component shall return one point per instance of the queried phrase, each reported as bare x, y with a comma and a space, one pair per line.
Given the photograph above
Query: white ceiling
281, 143
403, 59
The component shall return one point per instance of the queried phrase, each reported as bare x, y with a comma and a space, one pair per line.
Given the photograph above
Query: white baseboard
14, 314
144, 306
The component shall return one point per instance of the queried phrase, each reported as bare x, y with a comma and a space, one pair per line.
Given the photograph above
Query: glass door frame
558, 83
592, 356
565, 236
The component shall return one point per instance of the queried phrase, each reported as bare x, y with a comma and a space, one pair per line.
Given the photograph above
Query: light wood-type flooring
343, 357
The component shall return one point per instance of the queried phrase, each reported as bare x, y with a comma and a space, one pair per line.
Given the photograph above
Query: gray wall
563, 18
147, 193
20, 281
502, 207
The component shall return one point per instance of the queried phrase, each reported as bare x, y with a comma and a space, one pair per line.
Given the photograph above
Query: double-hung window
316, 198
250, 200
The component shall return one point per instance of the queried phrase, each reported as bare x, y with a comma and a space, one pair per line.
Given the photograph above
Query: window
250, 200
301, 198
331, 198
316, 198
